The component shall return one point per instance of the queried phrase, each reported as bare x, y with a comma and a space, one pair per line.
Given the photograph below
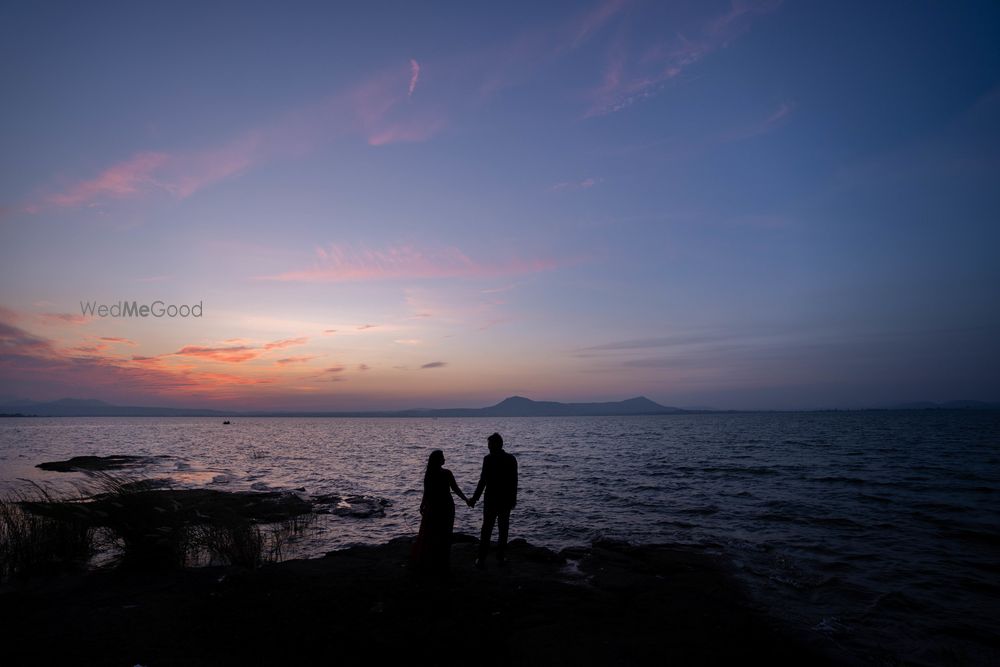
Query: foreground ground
610, 604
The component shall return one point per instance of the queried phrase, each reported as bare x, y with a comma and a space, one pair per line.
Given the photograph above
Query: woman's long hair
434, 463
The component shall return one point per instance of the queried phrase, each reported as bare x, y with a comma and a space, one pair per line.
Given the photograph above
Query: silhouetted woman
432, 549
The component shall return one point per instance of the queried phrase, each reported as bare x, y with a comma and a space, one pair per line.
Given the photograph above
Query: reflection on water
874, 528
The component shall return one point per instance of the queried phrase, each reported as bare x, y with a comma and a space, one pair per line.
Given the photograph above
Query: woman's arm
454, 487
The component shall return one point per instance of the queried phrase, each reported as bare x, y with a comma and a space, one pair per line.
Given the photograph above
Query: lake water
878, 530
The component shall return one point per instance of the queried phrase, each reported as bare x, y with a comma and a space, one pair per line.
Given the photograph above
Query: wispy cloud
239, 353
338, 263
234, 355
435, 364
497, 290
287, 342
588, 23
90, 349
584, 184
678, 340
374, 108
406, 131
386, 113
631, 77
124, 179
62, 318
383, 109
293, 360
382, 106
414, 76
516, 60
115, 339
774, 120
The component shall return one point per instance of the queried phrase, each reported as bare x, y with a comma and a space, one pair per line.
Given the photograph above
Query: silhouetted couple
498, 481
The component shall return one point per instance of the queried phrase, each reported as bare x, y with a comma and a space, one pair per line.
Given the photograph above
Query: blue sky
734, 204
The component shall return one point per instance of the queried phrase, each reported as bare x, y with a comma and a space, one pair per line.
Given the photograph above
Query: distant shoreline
393, 415
513, 406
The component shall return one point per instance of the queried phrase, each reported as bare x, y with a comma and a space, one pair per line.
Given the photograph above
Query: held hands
472, 503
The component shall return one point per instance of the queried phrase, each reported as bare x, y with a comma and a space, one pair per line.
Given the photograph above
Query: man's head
495, 443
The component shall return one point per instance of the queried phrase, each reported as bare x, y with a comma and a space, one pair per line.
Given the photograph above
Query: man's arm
482, 484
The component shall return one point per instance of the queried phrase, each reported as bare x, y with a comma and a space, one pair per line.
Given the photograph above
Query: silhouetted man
499, 480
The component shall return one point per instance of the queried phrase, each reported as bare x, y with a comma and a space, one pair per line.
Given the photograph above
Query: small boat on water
226, 423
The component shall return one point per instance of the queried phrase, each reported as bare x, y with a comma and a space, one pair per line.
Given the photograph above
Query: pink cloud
42, 369
230, 355
293, 360
409, 131
124, 179
178, 174
287, 342
62, 318
345, 264
115, 339
198, 170
90, 349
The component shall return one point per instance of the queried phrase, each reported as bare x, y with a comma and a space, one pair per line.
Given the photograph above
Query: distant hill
515, 406
518, 406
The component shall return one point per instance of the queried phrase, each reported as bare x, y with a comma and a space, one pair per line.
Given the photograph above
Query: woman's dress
432, 549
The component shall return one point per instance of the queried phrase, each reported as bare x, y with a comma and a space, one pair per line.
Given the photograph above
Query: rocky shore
607, 604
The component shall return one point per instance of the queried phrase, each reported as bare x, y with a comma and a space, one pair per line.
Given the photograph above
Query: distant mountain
515, 406
518, 406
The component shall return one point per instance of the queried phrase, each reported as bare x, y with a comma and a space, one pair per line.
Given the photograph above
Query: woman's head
434, 463
435, 460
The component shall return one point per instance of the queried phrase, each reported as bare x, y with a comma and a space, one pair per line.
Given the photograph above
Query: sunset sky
728, 204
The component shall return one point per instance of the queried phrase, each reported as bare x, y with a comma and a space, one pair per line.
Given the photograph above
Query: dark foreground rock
611, 604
